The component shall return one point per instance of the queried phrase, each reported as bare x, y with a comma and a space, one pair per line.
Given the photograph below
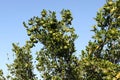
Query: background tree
55, 59
22, 67
100, 60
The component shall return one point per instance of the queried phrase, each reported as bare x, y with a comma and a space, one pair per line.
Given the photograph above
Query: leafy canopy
56, 60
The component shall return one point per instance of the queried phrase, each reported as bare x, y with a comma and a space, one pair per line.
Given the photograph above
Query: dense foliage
22, 68
107, 35
56, 60
102, 53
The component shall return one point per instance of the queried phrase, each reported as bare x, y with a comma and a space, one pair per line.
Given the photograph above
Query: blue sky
14, 12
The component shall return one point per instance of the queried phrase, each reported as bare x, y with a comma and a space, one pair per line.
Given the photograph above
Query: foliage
102, 54
55, 58
107, 35
1, 75
22, 68
96, 69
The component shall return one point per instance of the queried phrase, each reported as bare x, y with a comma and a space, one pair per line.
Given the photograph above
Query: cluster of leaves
1, 75
22, 68
96, 69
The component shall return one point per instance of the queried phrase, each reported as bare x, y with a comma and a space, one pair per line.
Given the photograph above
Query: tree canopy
56, 60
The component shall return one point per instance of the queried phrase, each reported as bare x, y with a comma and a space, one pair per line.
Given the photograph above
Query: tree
101, 57
22, 68
55, 59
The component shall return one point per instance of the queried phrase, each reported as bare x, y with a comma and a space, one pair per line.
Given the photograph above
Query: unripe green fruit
65, 47
114, 78
68, 44
99, 24
61, 47
37, 20
17, 52
100, 40
35, 41
60, 33
31, 29
28, 33
112, 32
118, 17
63, 16
44, 25
105, 71
26, 65
110, 3
31, 45
87, 63
68, 12
34, 28
42, 22
54, 34
43, 14
69, 19
67, 30
50, 32
30, 22
32, 38
51, 22
67, 41
112, 10
108, 77
118, 76
107, 8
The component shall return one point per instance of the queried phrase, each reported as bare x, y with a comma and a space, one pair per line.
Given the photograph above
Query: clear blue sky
14, 12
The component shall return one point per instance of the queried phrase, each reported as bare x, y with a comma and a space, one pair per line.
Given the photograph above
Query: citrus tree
55, 59
101, 57
22, 67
